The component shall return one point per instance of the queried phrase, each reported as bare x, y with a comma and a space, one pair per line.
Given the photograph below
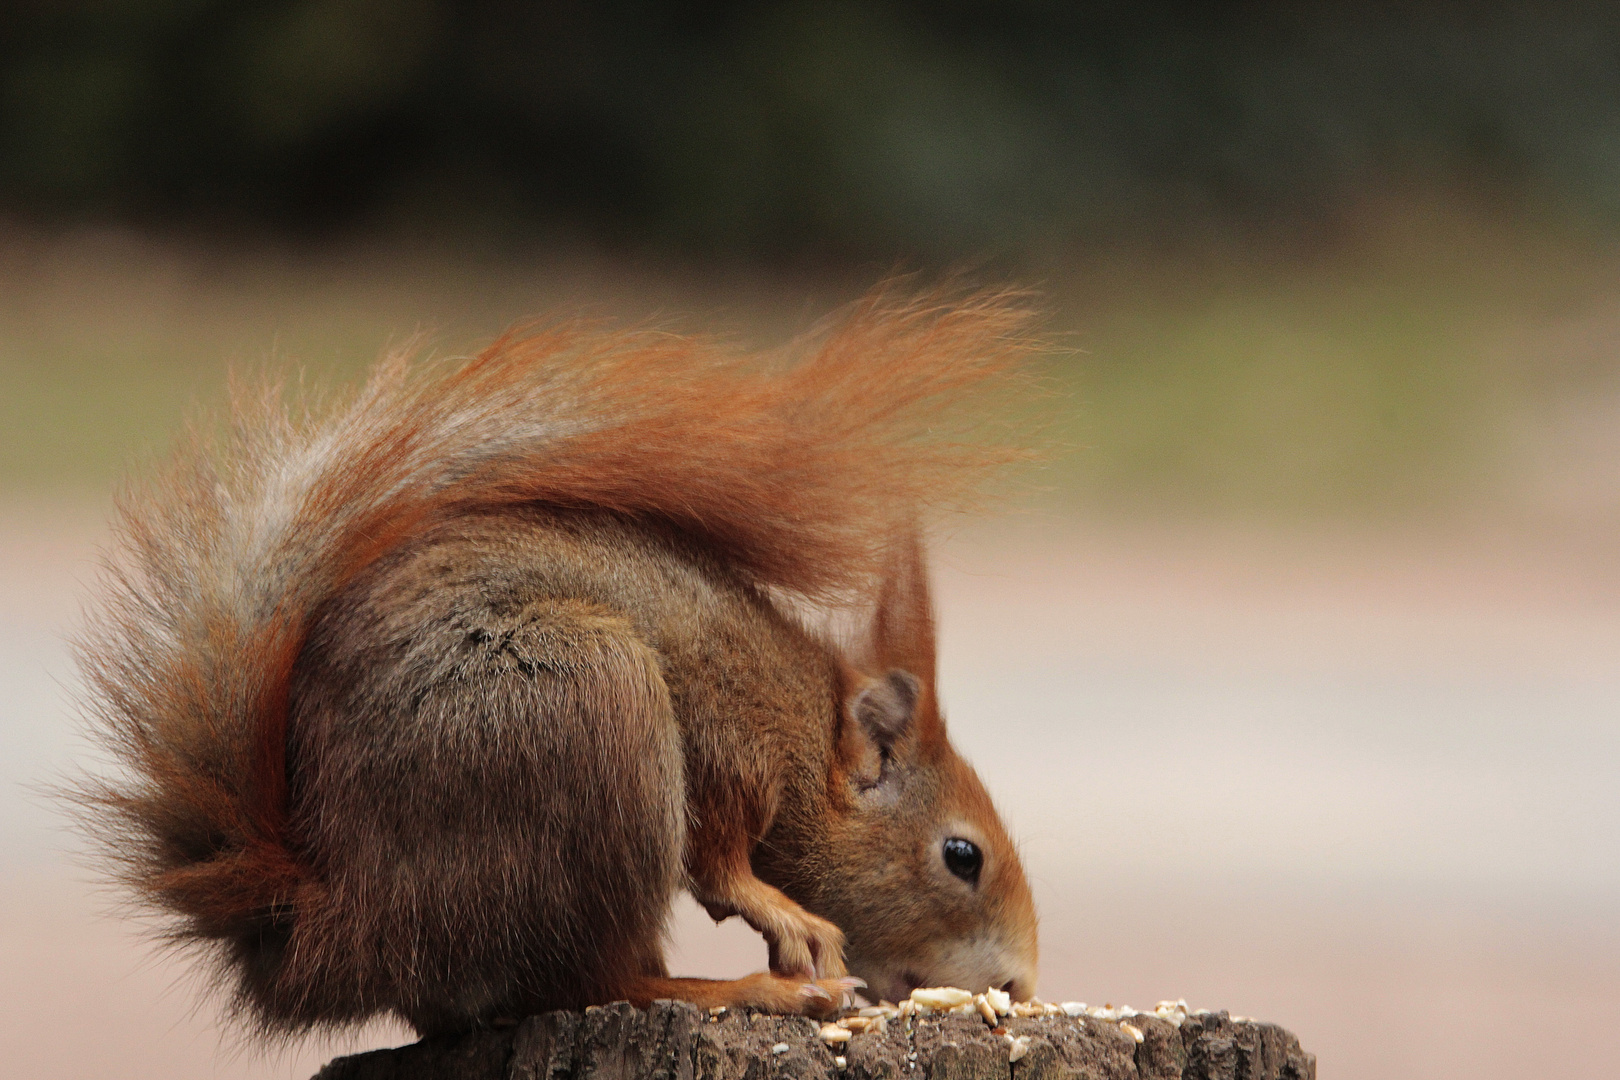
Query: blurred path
1359, 786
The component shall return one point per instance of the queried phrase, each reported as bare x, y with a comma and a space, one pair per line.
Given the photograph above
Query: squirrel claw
844, 986
825, 997
850, 984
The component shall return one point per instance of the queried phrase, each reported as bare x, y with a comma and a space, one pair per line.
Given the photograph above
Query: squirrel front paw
801, 945
805, 945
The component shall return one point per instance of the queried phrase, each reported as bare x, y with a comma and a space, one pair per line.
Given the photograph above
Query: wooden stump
676, 1041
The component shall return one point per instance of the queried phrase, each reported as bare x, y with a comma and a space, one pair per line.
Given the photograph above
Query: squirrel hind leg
782, 994
501, 831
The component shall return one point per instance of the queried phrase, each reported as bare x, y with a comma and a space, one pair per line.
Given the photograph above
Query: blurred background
1298, 676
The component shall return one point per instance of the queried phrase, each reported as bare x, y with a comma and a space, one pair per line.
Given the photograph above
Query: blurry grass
106, 345
1282, 403
1379, 379
1396, 376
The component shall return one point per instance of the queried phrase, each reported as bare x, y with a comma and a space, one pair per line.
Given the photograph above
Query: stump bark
676, 1041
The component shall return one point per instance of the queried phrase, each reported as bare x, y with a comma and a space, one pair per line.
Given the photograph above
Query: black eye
963, 858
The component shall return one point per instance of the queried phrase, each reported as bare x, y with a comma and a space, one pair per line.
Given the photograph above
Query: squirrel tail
798, 470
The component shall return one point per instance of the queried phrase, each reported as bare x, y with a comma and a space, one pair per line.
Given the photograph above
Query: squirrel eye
963, 858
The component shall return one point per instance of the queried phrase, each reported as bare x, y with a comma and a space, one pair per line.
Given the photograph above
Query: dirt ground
1360, 785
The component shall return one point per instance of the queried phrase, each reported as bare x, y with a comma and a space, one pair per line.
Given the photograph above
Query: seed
1017, 1048
832, 1034
780, 1048
1073, 1008
857, 1024
986, 1010
941, 997
1173, 1011
841, 1061
999, 1000
1132, 1030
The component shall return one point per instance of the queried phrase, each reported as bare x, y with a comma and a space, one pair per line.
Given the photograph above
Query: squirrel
429, 703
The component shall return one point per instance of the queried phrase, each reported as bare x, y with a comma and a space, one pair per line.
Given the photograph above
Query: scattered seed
941, 997
841, 1061
1133, 1031
986, 1010
780, 1048
717, 1010
999, 1000
1016, 1047
832, 1034
1073, 1008
1175, 1012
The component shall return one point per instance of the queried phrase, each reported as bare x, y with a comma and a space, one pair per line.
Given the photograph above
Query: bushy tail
798, 473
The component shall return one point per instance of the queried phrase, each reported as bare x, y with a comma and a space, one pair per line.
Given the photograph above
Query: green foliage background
925, 129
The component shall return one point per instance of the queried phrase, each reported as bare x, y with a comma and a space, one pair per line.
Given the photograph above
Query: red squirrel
430, 702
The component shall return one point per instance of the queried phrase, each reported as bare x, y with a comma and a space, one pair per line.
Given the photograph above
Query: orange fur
799, 471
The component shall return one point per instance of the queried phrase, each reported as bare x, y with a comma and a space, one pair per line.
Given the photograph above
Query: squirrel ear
902, 634
886, 709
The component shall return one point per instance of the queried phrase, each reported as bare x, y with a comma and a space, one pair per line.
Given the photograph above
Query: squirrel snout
1020, 988
971, 965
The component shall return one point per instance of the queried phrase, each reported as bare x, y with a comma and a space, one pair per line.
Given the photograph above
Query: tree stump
676, 1041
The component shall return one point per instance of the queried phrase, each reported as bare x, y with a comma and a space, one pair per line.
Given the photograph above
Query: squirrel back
801, 481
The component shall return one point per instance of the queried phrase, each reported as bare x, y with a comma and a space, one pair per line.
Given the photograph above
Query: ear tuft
887, 708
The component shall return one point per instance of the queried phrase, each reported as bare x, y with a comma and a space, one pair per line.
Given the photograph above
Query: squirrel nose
1021, 987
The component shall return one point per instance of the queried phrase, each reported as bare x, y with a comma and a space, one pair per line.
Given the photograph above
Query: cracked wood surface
676, 1041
